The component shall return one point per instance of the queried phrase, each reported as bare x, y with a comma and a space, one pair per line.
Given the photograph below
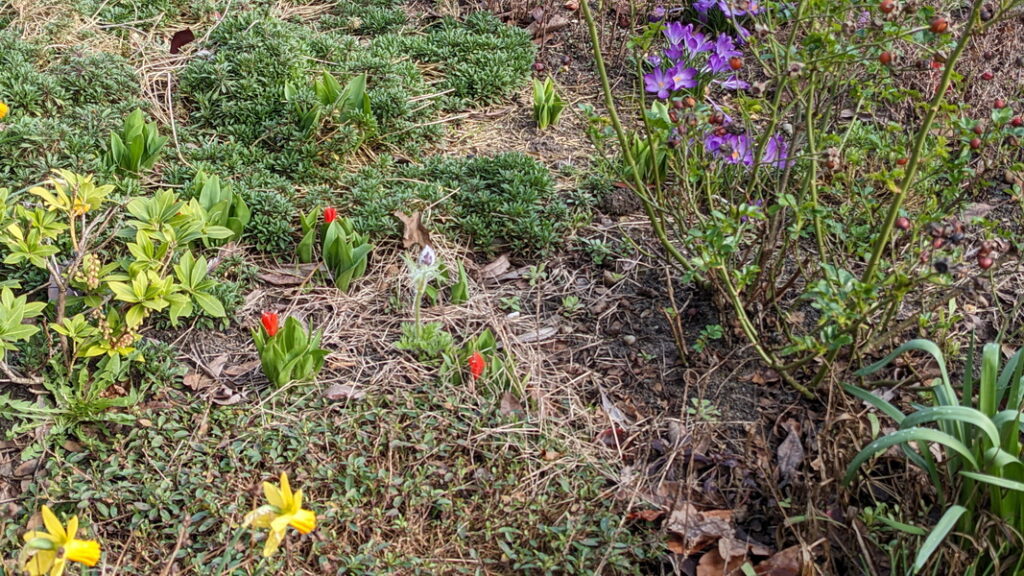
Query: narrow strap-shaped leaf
988, 393
938, 534
959, 413
995, 481
880, 403
908, 435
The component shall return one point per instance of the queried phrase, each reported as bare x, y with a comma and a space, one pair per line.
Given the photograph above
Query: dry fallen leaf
976, 210
181, 38
712, 564
291, 276
787, 562
691, 531
197, 381
790, 453
225, 396
538, 335
344, 392
414, 232
545, 27
236, 370
646, 515
216, 366
27, 468
510, 404
496, 268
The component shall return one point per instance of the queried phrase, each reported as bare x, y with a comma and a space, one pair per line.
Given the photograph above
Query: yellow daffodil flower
3, 110
284, 510
47, 553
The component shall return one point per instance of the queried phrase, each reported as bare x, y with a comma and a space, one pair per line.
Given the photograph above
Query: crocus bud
427, 256
269, 321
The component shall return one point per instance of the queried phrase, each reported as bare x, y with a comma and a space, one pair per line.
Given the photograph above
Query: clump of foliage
982, 471
61, 112
238, 89
481, 58
365, 17
112, 268
503, 202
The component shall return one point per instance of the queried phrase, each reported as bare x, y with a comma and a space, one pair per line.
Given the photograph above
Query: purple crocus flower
657, 14
732, 148
703, 6
725, 47
654, 60
658, 82
718, 64
776, 152
675, 32
693, 40
729, 8
674, 52
682, 77
733, 83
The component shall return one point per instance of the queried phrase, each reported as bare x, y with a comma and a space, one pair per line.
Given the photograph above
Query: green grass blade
881, 404
920, 435
1011, 378
1014, 485
938, 534
958, 413
988, 392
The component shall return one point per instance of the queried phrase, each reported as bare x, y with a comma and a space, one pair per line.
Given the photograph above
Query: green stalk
915, 158
613, 115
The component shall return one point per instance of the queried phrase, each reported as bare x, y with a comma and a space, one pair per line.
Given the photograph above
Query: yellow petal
53, 526
37, 562
273, 542
85, 551
32, 535
304, 521
58, 567
280, 524
260, 517
273, 495
286, 491
296, 502
72, 528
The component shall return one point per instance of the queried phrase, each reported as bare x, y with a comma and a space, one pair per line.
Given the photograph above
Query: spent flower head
47, 553
284, 509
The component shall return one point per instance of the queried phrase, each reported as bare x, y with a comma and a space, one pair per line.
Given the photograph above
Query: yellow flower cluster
3, 110
47, 553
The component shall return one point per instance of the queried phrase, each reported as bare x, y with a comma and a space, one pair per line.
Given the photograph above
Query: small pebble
629, 339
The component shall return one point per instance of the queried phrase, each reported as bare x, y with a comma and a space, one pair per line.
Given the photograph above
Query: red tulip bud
476, 365
269, 321
330, 213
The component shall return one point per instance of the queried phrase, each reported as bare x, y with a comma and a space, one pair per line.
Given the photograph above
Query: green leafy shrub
504, 202
366, 17
238, 90
223, 207
101, 303
271, 226
481, 58
62, 111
